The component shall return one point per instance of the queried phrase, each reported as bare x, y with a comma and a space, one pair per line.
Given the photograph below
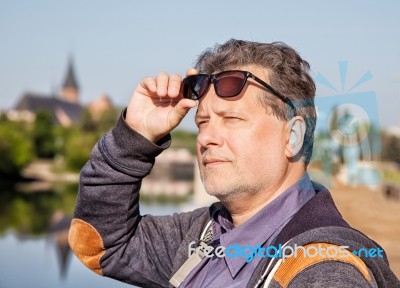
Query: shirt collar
261, 226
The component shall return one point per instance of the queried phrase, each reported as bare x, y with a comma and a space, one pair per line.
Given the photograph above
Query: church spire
70, 88
70, 80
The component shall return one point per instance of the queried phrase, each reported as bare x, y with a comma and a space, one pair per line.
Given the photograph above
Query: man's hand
157, 106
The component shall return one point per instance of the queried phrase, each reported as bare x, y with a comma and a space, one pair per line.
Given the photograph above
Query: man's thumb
180, 111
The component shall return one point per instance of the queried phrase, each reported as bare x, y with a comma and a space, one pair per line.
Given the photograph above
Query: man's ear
296, 130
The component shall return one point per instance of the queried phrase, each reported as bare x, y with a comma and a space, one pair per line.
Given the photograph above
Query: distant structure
70, 89
171, 175
65, 106
98, 106
176, 173
63, 112
58, 234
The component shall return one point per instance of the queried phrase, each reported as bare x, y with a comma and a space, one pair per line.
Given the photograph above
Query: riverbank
42, 174
48, 171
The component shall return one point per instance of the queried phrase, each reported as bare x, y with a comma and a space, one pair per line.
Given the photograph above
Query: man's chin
222, 193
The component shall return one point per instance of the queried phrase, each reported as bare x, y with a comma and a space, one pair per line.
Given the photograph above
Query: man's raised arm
107, 232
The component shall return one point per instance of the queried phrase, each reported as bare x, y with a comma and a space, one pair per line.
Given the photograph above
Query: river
34, 251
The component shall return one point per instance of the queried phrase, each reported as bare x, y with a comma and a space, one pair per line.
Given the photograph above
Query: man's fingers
175, 82
157, 116
149, 84
163, 85
191, 72
162, 80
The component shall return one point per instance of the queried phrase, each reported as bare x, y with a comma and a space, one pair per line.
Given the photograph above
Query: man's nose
210, 136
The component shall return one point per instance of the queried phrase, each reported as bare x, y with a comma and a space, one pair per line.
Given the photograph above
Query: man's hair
288, 73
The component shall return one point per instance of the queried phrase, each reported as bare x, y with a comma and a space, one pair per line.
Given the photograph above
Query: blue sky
116, 43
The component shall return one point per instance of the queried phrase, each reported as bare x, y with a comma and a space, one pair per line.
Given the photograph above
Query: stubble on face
251, 158
227, 182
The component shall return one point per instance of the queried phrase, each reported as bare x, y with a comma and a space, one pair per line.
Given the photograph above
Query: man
256, 119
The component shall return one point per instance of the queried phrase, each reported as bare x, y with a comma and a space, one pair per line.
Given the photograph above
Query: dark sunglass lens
229, 84
194, 87
186, 90
202, 85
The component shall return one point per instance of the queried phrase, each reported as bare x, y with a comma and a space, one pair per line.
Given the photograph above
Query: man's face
240, 146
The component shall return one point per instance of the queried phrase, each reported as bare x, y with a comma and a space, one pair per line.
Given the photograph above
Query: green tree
16, 148
101, 123
42, 133
61, 135
184, 139
87, 123
78, 148
107, 120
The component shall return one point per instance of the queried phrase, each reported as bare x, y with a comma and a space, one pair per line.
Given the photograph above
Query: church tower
70, 88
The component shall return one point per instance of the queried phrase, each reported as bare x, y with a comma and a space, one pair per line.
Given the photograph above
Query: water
33, 240
36, 263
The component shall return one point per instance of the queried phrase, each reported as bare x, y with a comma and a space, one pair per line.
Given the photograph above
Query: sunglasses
226, 84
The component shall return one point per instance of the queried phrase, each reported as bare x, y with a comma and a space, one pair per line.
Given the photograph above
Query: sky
114, 44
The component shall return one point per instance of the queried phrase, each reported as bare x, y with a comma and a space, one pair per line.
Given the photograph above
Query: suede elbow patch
294, 265
87, 244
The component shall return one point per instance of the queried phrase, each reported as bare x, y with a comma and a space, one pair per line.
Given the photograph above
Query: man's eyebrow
200, 113
199, 117
230, 113
220, 113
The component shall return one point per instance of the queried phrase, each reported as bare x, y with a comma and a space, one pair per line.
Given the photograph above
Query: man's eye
233, 118
201, 123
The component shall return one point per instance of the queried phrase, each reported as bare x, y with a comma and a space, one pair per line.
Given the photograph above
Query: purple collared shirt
260, 229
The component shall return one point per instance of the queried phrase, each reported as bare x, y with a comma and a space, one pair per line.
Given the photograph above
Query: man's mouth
211, 161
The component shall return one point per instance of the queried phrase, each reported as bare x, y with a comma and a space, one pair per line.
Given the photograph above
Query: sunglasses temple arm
275, 92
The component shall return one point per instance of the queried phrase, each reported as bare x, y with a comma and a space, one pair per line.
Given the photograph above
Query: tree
184, 139
87, 123
15, 148
77, 149
107, 120
42, 133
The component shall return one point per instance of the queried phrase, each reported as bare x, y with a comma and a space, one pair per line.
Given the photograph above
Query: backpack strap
286, 269
195, 258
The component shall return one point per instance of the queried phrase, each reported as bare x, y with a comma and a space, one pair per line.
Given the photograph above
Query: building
65, 106
98, 106
63, 112
70, 89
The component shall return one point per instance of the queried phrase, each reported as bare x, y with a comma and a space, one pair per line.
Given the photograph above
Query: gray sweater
110, 236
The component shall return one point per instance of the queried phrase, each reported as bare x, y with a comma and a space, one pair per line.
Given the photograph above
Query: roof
70, 79
35, 102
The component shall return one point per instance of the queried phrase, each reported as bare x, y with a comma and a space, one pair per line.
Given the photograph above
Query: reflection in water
36, 212
30, 213
33, 220
58, 235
